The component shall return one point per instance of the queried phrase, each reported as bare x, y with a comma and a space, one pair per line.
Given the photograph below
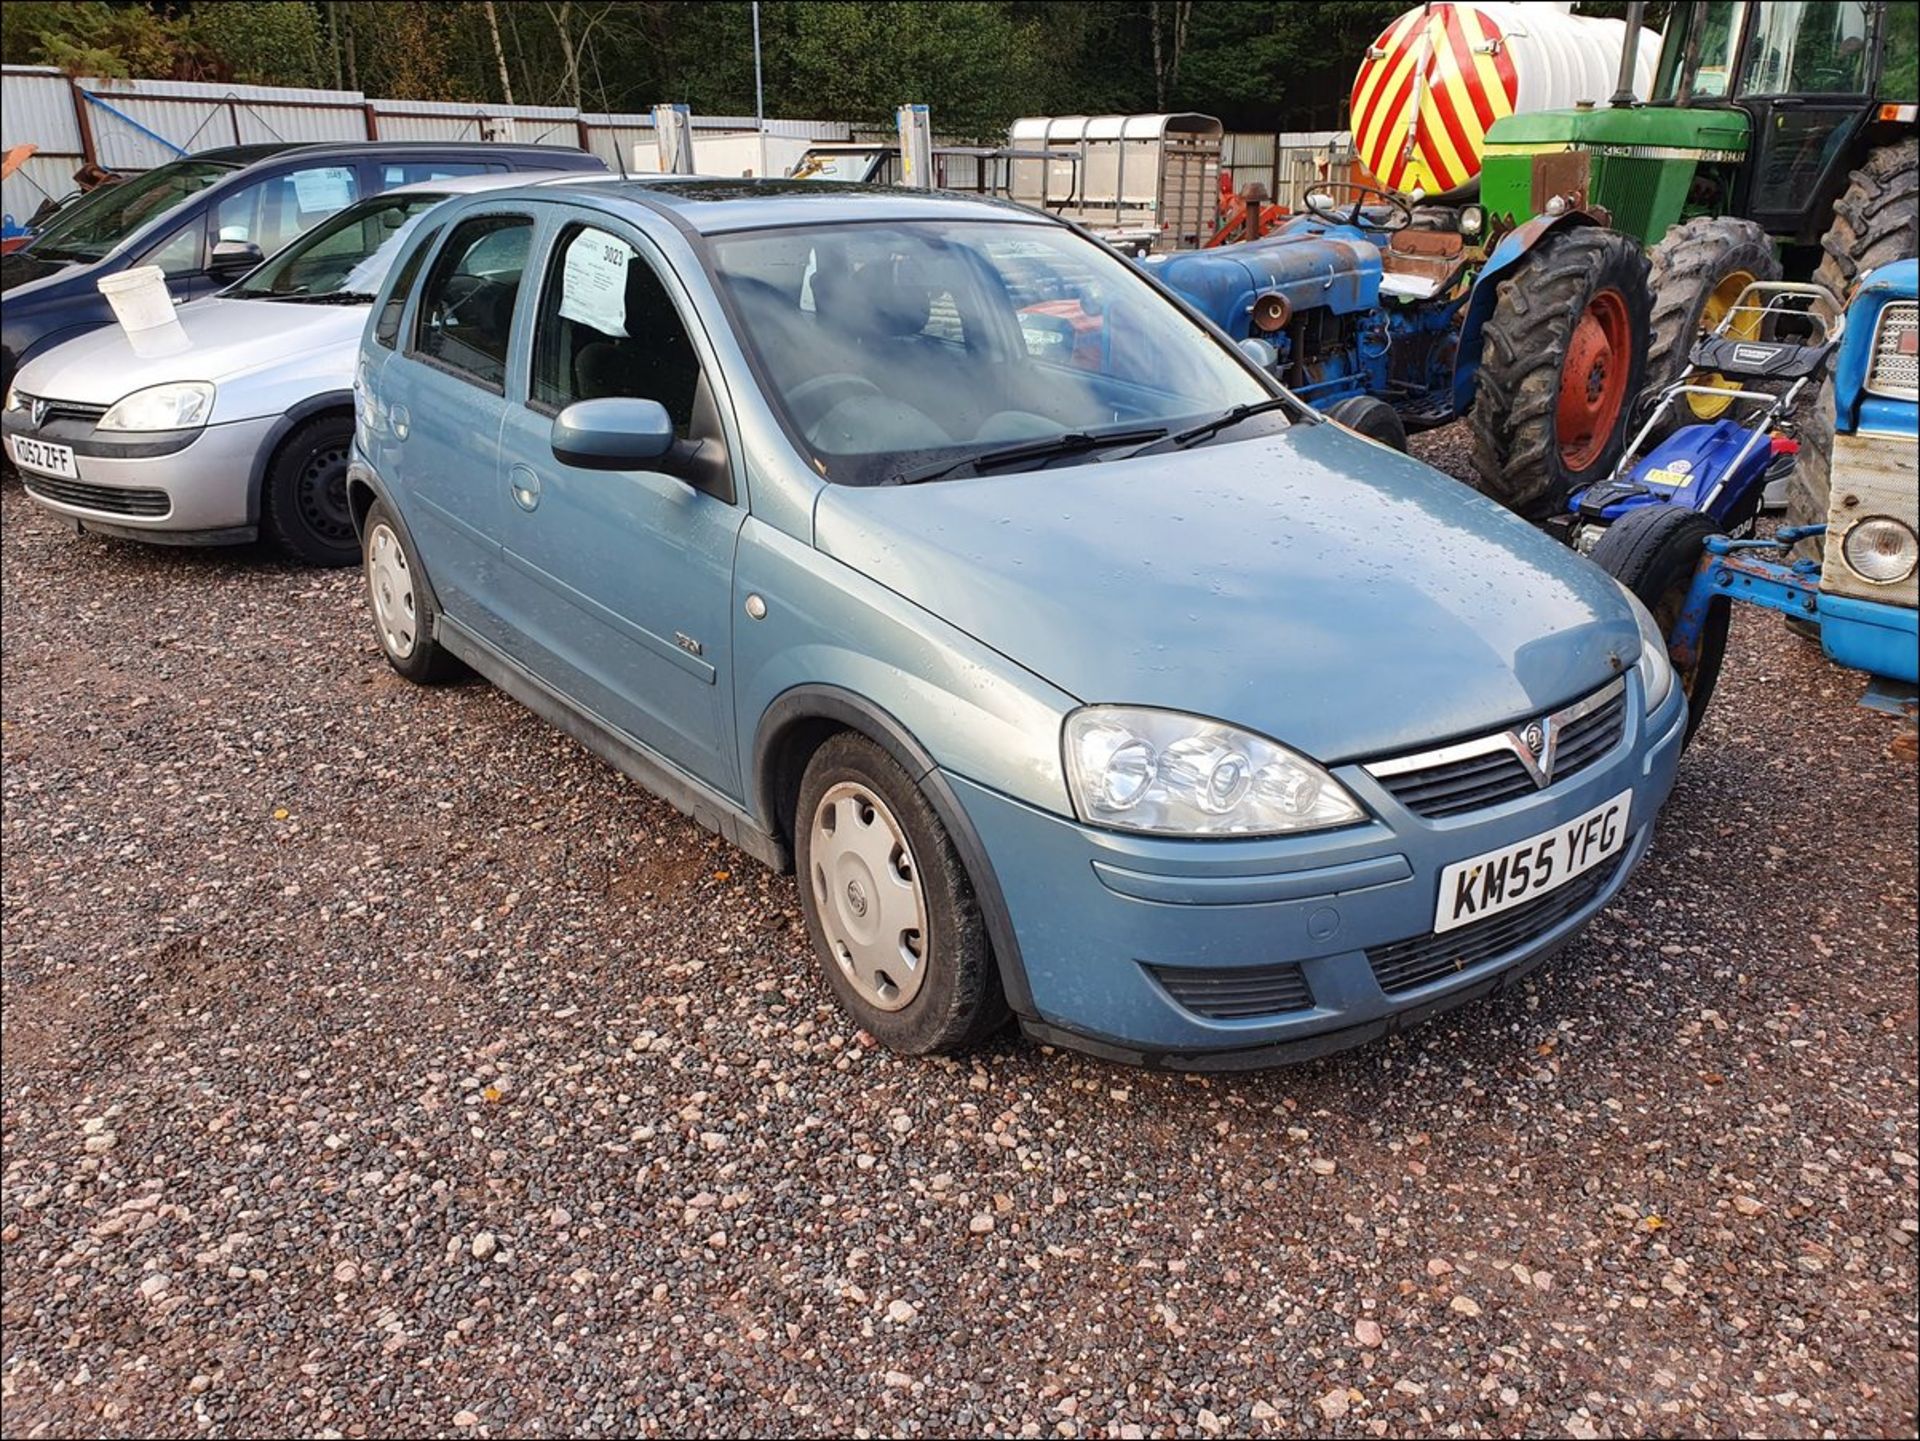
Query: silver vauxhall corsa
925, 545
235, 419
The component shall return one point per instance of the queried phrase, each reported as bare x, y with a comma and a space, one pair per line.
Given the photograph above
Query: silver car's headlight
13, 399
1656, 670
1171, 774
180, 405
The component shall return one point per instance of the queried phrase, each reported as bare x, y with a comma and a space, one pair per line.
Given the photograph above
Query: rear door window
465, 321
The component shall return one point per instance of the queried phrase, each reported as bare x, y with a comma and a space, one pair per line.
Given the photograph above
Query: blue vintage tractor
1393, 316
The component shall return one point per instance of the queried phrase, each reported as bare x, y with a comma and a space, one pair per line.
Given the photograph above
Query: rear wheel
1697, 272
402, 606
1372, 417
1654, 553
305, 509
1563, 354
1876, 219
890, 908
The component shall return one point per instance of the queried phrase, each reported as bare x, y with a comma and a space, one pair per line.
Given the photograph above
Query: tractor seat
1421, 263
1759, 359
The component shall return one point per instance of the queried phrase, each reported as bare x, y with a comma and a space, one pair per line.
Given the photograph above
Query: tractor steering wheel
1320, 204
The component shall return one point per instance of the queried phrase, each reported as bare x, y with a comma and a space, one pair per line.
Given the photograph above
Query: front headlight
1157, 770
1880, 549
181, 405
13, 398
1656, 670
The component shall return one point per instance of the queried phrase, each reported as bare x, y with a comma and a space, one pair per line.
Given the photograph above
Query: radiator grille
109, 499
1404, 965
1490, 774
1896, 352
1236, 992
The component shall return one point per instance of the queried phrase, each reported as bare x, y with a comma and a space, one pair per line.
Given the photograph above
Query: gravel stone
472, 978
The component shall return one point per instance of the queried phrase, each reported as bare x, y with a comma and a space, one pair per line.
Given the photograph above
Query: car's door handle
525, 486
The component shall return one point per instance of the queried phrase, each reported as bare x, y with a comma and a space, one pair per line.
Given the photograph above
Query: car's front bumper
167, 486
1106, 923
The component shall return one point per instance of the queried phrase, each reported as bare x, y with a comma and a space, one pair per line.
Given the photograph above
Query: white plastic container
1437, 77
139, 297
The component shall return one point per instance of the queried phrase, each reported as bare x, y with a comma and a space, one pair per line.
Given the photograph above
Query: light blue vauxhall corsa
926, 545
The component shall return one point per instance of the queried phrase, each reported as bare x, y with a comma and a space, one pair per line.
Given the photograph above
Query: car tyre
401, 604
890, 908
305, 511
1654, 553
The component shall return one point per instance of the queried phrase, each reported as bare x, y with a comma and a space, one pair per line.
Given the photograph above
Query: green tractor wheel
1563, 355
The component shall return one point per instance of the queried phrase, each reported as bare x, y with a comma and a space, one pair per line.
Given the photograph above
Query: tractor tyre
1876, 219
1810, 487
1698, 270
1654, 553
1562, 357
1372, 417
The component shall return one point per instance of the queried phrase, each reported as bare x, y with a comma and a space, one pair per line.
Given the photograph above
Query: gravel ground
378, 1062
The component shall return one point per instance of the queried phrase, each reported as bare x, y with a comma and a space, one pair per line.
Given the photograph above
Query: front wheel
1562, 357
890, 908
305, 509
1654, 553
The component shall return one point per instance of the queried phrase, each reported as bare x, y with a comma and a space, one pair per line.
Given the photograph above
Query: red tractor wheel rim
1593, 386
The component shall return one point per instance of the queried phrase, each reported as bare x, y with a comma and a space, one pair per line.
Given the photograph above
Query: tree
94, 38
1169, 26
274, 43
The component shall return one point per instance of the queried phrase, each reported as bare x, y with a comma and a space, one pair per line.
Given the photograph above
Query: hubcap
322, 496
867, 891
1594, 383
390, 586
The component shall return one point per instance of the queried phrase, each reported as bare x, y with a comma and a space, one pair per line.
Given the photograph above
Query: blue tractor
1393, 316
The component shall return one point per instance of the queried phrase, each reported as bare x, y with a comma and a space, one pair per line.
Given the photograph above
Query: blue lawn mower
1773, 344
1676, 539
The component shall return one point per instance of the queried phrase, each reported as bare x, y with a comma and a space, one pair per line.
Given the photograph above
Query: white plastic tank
1438, 76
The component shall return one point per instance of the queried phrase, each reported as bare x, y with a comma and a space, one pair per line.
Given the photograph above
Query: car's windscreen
346, 257
93, 225
892, 348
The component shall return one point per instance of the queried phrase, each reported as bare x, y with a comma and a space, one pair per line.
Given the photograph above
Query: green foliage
272, 43
89, 37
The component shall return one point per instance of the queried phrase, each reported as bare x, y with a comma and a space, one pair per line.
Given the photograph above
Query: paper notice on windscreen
326, 190
593, 286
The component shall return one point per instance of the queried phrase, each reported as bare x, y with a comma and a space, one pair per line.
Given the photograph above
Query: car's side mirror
234, 257
616, 433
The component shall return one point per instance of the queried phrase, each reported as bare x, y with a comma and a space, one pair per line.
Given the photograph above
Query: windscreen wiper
1077, 442
325, 297
1181, 439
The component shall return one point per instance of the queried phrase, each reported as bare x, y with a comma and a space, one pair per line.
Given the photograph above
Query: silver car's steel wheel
390, 584
867, 890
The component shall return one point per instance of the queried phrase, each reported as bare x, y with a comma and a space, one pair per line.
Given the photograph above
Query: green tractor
1780, 138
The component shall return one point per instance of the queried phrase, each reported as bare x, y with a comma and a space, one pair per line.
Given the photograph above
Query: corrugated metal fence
138, 124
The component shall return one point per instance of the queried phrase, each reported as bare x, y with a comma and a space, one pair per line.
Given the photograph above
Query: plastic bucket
139, 297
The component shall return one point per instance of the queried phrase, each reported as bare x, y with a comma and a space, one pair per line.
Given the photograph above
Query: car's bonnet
1320, 589
217, 340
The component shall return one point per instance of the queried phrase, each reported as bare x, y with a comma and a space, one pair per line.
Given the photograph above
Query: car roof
712, 206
